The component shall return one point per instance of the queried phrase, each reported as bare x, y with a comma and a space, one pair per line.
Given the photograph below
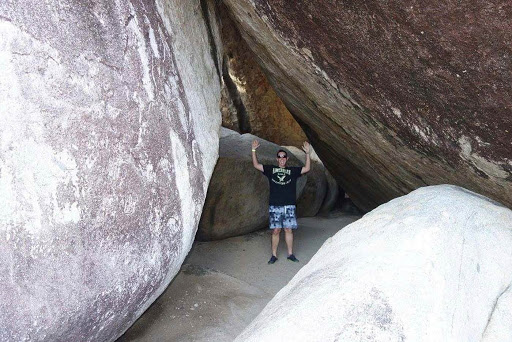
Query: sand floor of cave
223, 285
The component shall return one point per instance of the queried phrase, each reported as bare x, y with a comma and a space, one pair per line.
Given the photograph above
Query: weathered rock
249, 104
435, 265
237, 199
108, 139
347, 206
393, 95
331, 196
313, 196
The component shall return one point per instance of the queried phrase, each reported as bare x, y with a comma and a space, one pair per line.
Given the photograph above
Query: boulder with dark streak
393, 95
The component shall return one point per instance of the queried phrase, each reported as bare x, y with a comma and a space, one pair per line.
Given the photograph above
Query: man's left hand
306, 147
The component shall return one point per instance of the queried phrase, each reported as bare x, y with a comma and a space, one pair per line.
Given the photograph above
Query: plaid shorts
282, 216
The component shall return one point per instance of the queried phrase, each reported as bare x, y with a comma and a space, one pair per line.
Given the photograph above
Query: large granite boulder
237, 199
109, 135
435, 265
314, 193
394, 95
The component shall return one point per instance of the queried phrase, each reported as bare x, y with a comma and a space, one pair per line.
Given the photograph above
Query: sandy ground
223, 285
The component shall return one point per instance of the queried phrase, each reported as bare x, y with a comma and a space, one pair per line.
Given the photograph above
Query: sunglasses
281, 156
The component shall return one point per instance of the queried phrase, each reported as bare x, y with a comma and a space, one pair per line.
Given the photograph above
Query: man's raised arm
258, 166
306, 149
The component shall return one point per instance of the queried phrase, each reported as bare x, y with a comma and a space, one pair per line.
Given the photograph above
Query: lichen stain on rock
370, 318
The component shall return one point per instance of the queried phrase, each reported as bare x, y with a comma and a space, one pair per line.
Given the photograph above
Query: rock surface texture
108, 139
435, 265
332, 195
393, 95
249, 103
314, 192
237, 199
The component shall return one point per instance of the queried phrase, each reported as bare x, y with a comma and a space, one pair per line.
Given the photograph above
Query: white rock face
108, 138
435, 265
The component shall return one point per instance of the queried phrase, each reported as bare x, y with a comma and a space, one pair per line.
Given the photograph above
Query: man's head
282, 158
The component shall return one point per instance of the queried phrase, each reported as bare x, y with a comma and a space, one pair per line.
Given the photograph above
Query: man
282, 181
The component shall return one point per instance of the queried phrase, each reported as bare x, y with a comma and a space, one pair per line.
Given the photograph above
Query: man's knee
276, 231
288, 230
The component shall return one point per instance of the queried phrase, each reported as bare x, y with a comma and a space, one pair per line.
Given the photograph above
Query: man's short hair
285, 154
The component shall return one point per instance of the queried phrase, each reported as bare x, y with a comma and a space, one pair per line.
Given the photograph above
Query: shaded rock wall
331, 197
393, 95
109, 116
249, 104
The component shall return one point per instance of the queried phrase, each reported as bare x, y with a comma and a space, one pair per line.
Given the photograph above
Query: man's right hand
258, 166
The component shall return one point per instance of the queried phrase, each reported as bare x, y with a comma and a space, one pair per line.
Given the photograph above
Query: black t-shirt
282, 183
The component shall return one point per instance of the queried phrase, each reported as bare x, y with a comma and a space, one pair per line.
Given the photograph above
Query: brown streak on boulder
393, 95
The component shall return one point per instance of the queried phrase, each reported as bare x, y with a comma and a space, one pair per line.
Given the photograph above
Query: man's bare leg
288, 236
275, 240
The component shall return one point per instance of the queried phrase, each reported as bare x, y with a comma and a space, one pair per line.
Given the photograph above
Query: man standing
282, 181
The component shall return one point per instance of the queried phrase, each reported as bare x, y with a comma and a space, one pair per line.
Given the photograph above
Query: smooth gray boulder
108, 138
237, 199
434, 265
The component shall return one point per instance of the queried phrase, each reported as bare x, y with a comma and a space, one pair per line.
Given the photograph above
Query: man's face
282, 159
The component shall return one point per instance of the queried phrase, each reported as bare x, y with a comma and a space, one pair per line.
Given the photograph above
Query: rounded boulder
237, 198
